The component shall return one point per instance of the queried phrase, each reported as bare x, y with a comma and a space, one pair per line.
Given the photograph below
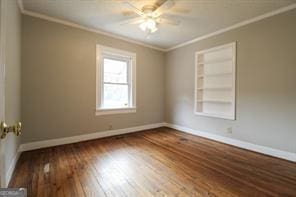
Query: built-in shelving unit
215, 82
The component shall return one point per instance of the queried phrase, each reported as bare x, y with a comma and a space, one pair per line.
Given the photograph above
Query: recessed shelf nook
215, 82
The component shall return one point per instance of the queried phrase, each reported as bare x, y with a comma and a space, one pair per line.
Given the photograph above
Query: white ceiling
197, 17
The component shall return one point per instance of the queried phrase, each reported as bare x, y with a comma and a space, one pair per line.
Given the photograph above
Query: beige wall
266, 84
12, 79
59, 82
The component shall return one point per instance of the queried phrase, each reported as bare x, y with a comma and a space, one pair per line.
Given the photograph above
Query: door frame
3, 4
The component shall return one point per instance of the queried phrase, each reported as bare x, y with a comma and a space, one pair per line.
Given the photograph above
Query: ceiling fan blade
169, 21
165, 6
134, 8
136, 20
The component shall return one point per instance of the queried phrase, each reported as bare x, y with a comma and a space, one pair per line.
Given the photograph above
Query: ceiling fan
150, 16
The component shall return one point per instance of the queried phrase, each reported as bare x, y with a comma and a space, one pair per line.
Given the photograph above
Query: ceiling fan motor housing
148, 9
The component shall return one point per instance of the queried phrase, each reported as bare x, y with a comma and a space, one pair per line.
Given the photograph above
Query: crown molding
68, 23
20, 5
223, 30
237, 25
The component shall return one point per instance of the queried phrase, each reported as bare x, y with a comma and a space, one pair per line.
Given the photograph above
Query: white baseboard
85, 137
241, 144
67, 140
10, 171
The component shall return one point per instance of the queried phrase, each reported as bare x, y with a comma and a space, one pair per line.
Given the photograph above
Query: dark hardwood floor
158, 162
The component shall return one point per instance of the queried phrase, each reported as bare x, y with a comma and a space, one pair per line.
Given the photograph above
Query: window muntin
116, 77
116, 83
115, 71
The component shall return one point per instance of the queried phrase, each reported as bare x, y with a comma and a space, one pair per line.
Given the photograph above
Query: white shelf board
215, 61
215, 88
215, 115
214, 75
214, 101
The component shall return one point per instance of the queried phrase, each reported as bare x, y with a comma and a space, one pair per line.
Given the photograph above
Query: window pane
115, 71
115, 96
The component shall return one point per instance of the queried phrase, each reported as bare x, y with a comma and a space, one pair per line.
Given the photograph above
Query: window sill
101, 111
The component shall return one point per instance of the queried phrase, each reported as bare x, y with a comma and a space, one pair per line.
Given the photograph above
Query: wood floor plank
179, 182
228, 152
146, 186
107, 178
157, 162
89, 182
152, 178
228, 167
205, 178
274, 165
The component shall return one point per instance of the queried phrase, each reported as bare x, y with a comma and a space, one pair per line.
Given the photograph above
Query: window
215, 82
116, 76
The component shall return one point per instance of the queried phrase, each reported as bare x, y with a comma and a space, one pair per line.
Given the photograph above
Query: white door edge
3, 4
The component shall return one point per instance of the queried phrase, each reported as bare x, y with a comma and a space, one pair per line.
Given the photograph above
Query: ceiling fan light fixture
143, 26
153, 30
150, 15
149, 24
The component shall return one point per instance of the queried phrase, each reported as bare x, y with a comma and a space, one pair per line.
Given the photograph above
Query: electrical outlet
229, 130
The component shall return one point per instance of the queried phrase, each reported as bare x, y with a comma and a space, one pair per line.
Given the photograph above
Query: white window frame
116, 54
